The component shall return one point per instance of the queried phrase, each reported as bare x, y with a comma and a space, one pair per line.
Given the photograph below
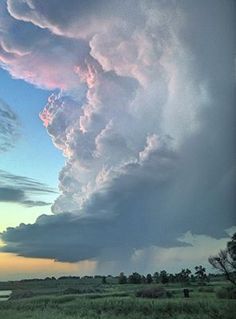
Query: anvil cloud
144, 117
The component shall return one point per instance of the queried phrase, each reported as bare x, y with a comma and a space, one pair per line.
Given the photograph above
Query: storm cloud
145, 118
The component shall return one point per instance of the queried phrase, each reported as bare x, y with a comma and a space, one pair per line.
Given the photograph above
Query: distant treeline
163, 277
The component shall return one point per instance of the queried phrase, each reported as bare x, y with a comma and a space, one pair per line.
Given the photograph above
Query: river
5, 294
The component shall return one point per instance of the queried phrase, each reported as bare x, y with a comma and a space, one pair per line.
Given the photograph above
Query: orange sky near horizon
13, 267
16, 267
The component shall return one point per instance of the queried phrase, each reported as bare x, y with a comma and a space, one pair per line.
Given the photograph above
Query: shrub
226, 293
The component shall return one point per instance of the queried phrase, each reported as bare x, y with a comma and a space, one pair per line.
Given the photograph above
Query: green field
90, 299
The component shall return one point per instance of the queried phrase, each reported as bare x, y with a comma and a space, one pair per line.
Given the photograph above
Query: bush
157, 292
226, 293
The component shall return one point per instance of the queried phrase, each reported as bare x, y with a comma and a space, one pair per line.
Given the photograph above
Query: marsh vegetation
90, 298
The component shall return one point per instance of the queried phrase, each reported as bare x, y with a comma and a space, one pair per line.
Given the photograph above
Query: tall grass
74, 307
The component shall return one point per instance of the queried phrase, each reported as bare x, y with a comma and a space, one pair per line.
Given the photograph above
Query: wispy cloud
22, 190
9, 127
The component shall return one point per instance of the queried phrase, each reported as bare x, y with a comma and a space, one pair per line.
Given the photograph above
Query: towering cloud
144, 117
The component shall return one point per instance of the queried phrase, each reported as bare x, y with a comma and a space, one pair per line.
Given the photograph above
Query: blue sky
33, 154
34, 150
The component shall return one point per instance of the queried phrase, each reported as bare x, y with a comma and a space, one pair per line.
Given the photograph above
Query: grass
119, 307
118, 301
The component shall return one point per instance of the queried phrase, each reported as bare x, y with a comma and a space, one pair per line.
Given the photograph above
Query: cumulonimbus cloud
145, 118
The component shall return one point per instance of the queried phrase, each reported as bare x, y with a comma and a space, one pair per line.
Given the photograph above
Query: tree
184, 275
173, 278
225, 261
164, 277
104, 280
156, 277
231, 246
122, 279
143, 279
135, 278
149, 279
201, 273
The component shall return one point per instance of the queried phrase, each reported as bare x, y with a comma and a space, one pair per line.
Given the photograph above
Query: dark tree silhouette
156, 277
173, 278
164, 279
135, 278
200, 273
225, 261
184, 275
231, 246
149, 279
122, 279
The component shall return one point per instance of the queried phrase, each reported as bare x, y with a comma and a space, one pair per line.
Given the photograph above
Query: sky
117, 135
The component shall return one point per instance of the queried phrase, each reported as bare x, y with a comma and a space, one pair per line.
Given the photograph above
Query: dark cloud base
139, 219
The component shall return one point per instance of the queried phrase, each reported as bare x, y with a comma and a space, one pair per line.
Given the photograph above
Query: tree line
184, 276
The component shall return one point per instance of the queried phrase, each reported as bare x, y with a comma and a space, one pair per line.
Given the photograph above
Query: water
4, 294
